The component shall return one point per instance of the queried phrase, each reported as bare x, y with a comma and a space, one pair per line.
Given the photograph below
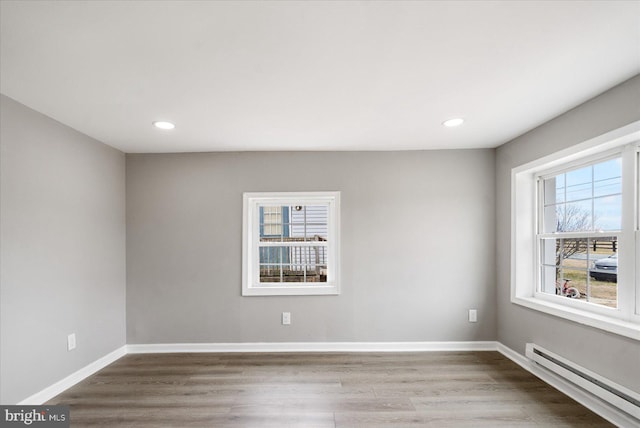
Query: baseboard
588, 400
51, 391
312, 347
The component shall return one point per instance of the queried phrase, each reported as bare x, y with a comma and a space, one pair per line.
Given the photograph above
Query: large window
575, 240
580, 221
290, 243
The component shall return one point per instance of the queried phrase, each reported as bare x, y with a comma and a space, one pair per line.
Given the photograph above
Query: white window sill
617, 326
299, 290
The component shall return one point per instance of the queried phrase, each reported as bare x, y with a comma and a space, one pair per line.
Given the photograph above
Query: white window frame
525, 271
251, 285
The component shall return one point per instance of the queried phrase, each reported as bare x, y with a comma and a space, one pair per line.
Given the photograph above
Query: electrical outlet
286, 318
71, 342
473, 315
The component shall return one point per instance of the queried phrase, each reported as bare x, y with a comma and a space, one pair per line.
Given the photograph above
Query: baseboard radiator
607, 390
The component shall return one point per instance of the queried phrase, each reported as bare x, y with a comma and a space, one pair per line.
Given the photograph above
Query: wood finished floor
433, 389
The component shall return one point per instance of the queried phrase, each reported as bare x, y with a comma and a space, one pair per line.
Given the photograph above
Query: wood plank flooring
432, 389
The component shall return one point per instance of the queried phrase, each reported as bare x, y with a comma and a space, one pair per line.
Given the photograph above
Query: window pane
317, 232
582, 269
607, 178
272, 260
310, 222
586, 199
576, 217
293, 264
273, 255
603, 271
607, 213
574, 261
579, 184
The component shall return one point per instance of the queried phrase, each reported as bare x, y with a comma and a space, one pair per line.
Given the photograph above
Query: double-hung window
579, 230
575, 240
290, 243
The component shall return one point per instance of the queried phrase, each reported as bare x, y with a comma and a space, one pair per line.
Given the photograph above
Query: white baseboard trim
590, 401
51, 391
312, 347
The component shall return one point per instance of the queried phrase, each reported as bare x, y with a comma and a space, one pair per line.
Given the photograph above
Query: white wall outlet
473, 315
286, 318
71, 342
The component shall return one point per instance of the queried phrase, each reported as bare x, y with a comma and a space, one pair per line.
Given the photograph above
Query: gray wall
610, 355
62, 250
418, 245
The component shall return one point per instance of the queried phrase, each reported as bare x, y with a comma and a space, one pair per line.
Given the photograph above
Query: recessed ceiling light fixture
163, 125
453, 122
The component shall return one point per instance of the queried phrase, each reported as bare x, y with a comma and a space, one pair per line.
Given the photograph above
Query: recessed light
164, 125
453, 122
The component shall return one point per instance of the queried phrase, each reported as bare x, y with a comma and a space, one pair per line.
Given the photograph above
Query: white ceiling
309, 75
